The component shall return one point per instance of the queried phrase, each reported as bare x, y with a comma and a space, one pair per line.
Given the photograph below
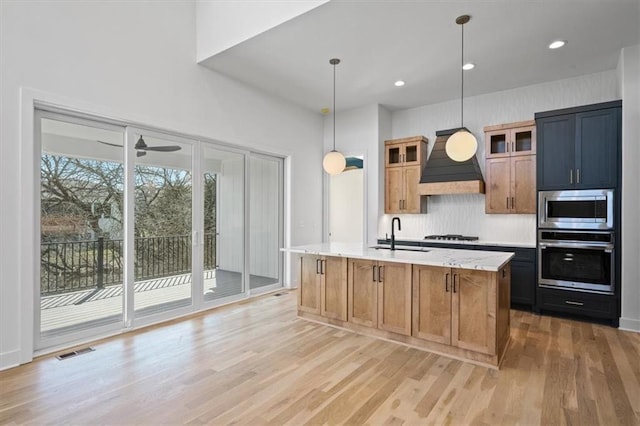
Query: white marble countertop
452, 258
469, 243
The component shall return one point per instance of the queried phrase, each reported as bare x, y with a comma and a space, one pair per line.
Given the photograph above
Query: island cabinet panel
363, 292
380, 295
464, 308
309, 282
432, 303
394, 297
474, 305
323, 286
333, 288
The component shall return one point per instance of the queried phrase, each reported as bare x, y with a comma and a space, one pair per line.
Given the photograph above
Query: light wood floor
256, 363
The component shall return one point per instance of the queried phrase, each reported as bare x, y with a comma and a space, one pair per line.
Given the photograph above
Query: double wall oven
576, 240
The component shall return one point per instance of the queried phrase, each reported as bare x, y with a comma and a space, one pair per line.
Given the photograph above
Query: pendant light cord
462, 80
334, 106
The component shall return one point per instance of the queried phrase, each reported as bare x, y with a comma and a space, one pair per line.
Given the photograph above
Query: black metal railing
79, 265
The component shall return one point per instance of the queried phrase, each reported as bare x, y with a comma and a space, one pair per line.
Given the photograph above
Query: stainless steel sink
422, 249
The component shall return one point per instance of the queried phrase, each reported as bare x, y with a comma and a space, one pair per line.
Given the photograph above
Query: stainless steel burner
451, 237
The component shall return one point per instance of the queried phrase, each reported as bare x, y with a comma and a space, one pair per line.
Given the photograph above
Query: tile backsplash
463, 214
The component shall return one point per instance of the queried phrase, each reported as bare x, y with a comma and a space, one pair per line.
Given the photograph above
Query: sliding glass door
265, 230
137, 226
81, 226
163, 225
223, 182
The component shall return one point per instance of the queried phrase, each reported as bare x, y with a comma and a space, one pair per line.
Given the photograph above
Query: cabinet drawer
594, 305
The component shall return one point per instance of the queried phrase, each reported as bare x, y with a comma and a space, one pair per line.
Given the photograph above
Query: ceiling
418, 41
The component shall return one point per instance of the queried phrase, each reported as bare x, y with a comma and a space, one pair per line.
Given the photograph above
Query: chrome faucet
393, 234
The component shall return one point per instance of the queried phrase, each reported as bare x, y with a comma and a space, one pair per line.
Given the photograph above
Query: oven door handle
606, 247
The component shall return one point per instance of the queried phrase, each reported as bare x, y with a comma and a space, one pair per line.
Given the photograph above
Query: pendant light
334, 162
462, 145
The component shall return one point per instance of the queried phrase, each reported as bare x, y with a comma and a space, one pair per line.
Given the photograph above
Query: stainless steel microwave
576, 209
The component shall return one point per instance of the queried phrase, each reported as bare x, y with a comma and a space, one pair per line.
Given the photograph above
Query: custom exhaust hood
442, 175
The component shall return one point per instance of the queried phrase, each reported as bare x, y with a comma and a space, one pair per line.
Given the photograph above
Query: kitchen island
451, 302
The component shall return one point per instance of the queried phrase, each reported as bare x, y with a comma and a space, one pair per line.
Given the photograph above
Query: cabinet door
393, 155
474, 306
363, 293
393, 188
523, 140
333, 288
394, 297
597, 143
523, 184
412, 153
555, 157
497, 198
497, 143
432, 290
523, 282
412, 202
309, 284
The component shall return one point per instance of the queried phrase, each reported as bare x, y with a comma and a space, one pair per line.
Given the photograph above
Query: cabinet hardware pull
322, 266
374, 273
399, 204
571, 176
570, 302
454, 282
513, 146
446, 283
507, 203
577, 175
380, 274
404, 204
317, 266
513, 202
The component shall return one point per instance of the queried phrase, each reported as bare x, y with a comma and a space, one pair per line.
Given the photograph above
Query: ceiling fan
141, 146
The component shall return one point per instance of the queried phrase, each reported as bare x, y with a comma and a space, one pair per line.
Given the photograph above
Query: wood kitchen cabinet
511, 185
510, 168
578, 148
323, 286
379, 295
404, 159
509, 140
468, 309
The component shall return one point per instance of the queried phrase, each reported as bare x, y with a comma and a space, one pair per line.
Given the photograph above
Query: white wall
135, 61
346, 207
464, 214
359, 133
630, 89
223, 24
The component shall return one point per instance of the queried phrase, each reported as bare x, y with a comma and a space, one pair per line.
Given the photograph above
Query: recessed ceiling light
399, 83
468, 66
557, 44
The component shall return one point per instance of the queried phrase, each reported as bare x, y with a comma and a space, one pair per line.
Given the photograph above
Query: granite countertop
467, 243
452, 258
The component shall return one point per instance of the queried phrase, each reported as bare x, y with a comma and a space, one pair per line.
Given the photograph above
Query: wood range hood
441, 175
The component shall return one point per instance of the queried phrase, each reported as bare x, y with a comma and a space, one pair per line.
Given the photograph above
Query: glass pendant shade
334, 163
461, 146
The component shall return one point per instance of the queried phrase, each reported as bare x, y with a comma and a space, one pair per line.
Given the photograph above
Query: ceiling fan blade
162, 148
109, 143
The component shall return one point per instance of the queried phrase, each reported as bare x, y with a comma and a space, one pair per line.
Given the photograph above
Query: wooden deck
256, 363
70, 311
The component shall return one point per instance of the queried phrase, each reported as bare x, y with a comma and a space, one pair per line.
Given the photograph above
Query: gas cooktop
451, 237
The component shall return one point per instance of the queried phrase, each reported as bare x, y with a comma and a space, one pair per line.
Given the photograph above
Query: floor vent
75, 353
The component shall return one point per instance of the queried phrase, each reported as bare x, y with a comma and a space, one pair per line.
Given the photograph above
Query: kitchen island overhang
447, 301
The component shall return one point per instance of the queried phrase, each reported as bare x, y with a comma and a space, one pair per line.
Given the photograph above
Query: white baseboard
630, 324
9, 360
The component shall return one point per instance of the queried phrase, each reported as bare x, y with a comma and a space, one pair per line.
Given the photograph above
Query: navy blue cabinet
578, 147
